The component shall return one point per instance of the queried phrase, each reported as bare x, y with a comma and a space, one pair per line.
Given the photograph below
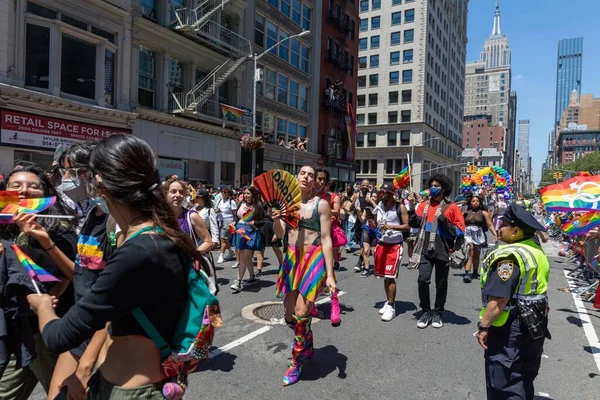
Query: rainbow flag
232, 113
402, 179
352, 121
248, 216
240, 231
582, 224
33, 270
7, 198
578, 193
32, 206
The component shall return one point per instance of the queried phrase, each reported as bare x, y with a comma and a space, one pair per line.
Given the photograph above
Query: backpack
194, 331
458, 258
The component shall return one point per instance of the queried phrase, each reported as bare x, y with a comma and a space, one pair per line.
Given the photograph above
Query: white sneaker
220, 260
236, 265
230, 255
383, 309
389, 314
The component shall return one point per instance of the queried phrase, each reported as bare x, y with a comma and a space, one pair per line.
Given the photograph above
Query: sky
533, 28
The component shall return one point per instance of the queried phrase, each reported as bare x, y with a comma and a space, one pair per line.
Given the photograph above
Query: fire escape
197, 25
335, 98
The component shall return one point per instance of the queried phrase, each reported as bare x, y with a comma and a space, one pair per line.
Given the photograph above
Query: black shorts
267, 231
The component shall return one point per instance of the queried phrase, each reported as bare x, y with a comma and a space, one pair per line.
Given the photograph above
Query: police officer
513, 321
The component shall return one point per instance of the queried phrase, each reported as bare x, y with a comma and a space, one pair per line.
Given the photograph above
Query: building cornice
29, 101
282, 154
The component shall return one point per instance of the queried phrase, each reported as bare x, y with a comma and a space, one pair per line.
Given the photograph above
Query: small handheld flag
7, 198
33, 206
35, 272
402, 179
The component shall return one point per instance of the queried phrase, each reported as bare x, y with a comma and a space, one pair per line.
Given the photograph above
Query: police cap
518, 216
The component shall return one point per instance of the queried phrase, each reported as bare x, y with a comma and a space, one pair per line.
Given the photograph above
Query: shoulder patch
505, 270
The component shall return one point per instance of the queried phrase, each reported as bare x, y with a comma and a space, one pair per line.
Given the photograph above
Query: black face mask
364, 191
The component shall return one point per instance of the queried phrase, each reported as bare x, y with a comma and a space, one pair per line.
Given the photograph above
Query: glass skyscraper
568, 73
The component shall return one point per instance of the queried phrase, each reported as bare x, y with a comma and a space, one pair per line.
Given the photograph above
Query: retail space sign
23, 129
168, 167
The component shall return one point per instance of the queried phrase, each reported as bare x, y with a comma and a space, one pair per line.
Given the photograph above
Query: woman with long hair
226, 208
190, 221
206, 211
308, 265
147, 272
475, 220
31, 181
247, 238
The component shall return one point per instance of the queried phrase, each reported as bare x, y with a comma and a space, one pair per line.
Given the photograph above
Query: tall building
569, 62
488, 87
523, 154
583, 111
478, 132
410, 88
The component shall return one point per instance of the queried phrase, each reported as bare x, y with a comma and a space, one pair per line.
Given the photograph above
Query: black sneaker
252, 279
436, 320
467, 278
336, 266
365, 273
425, 319
475, 275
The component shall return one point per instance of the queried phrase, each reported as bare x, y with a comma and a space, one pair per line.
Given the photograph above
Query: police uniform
518, 272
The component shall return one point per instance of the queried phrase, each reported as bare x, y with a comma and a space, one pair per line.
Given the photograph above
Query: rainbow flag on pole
578, 193
34, 271
402, 179
231, 113
33, 206
582, 224
7, 198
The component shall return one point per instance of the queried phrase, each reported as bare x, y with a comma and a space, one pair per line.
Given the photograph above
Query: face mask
102, 205
435, 191
74, 188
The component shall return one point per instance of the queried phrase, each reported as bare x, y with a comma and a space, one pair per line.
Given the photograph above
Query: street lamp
255, 57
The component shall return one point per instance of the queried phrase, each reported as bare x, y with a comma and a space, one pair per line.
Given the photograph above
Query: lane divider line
586, 322
258, 332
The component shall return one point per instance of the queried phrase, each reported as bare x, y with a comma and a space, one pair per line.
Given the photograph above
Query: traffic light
557, 175
471, 169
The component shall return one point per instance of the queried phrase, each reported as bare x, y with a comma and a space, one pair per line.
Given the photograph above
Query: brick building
479, 133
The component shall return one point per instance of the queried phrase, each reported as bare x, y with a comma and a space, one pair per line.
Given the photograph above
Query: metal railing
218, 35
194, 18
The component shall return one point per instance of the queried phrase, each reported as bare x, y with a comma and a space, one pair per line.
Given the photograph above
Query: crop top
147, 271
314, 222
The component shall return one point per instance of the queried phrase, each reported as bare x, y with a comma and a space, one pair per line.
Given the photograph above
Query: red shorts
387, 259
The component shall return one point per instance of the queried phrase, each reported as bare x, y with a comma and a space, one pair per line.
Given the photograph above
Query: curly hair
442, 180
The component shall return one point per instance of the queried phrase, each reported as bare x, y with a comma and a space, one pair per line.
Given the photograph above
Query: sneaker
475, 275
389, 314
237, 286
236, 265
357, 268
364, 273
258, 272
336, 266
467, 278
384, 308
425, 320
252, 279
230, 255
220, 259
436, 320
348, 250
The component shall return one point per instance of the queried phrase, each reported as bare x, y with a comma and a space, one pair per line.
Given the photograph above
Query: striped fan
281, 191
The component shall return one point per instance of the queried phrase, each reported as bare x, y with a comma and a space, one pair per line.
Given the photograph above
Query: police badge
505, 270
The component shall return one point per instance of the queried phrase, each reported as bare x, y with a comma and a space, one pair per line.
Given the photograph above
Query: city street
366, 358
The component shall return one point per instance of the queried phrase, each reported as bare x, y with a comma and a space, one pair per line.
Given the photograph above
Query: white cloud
516, 77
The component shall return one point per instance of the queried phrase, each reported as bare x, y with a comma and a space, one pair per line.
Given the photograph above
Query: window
302, 129
295, 53
405, 116
282, 89
271, 37
362, 62
373, 119
259, 30
409, 16
371, 137
284, 46
364, 5
409, 35
281, 127
274, 3
395, 58
364, 25
392, 138
393, 98
360, 140
406, 96
360, 100
360, 119
146, 77
374, 61
407, 56
149, 8
270, 83
396, 18
292, 129
375, 42
394, 78
396, 2
285, 7
373, 169
109, 73
305, 62
407, 76
294, 89
37, 56
376, 5
405, 138
303, 98
363, 44
395, 38
373, 80
362, 81
297, 11
306, 11
372, 99
392, 117
78, 67
375, 22
389, 166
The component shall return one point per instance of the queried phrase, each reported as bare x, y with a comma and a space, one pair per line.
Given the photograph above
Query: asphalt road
366, 358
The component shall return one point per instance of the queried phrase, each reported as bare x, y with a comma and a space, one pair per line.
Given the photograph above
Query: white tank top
389, 217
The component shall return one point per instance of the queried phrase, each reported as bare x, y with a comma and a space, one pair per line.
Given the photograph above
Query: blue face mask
101, 205
435, 191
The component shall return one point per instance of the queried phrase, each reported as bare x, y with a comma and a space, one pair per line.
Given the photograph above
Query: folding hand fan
281, 191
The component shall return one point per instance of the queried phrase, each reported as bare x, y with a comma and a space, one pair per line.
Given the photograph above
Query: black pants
512, 362
441, 282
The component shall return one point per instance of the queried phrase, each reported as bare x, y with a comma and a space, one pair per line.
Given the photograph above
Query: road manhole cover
270, 312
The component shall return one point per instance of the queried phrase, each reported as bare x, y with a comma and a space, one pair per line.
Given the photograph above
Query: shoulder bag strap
155, 336
192, 231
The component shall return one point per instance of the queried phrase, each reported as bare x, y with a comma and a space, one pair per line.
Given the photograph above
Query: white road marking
258, 332
586, 322
543, 394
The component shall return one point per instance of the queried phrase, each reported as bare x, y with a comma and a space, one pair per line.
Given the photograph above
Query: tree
589, 162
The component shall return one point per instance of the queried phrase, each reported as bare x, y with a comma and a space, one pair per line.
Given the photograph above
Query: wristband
50, 248
482, 328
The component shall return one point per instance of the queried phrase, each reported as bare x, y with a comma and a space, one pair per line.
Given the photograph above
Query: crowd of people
130, 234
